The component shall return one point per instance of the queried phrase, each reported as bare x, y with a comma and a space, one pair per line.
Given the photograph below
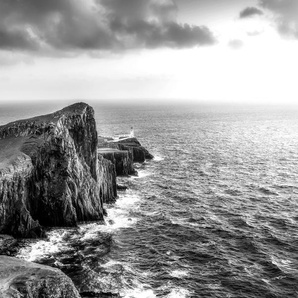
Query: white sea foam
284, 265
138, 292
44, 248
118, 217
179, 273
158, 158
179, 293
115, 220
90, 231
266, 281
127, 200
112, 264
142, 174
183, 222
176, 221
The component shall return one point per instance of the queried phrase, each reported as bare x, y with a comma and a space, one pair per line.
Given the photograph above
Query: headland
54, 172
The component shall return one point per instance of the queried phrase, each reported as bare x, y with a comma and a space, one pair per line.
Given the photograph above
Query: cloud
250, 12
286, 13
254, 33
15, 38
236, 44
112, 25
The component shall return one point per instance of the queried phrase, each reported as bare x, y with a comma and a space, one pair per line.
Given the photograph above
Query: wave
179, 293
39, 249
284, 265
118, 216
186, 222
267, 191
158, 158
142, 174
58, 239
179, 273
138, 292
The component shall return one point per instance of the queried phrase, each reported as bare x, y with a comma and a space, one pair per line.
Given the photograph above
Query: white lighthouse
132, 134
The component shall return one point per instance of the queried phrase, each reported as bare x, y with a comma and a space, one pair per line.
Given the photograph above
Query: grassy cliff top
77, 108
17, 139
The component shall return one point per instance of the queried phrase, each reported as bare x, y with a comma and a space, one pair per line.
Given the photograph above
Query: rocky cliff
107, 180
123, 153
50, 173
121, 159
24, 279
139, 153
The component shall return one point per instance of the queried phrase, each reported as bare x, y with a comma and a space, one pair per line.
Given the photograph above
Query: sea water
214, 214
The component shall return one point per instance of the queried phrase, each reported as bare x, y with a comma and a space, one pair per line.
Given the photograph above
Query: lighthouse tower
132, 134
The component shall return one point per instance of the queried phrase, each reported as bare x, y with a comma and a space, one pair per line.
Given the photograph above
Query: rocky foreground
25, 279
53, 173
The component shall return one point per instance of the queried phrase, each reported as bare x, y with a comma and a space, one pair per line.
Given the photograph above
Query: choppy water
215, 214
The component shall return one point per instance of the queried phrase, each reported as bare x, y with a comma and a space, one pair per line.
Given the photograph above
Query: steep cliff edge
50, 173
140, 154
123, 153
107, 180
121, 159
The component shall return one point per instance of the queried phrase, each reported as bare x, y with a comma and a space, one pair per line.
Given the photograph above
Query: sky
238, 51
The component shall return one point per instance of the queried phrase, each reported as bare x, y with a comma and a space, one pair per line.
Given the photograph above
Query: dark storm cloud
55, 24
153, 35
48, 25
286, 12
250, 12
16, 39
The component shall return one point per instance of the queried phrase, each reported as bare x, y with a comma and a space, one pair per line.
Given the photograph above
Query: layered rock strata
50, 172
123, 153
121, 159
19, 278
140, 154
107, 180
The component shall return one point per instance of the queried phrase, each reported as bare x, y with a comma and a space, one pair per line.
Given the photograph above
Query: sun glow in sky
248, 59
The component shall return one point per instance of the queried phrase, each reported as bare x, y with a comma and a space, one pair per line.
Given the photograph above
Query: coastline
72, 129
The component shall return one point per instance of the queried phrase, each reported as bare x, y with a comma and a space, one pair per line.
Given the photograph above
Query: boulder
7, 244
19, 279
121, 187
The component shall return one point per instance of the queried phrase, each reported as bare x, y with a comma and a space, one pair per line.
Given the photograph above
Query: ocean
214, 214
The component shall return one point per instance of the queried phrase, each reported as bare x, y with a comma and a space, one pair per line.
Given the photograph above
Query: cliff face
139, 153
50, 174
121, 159
123, 153
15, 217
107, 180
25, 279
